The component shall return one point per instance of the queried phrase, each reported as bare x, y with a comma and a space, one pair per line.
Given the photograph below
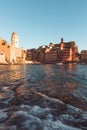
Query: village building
10, 53
84, 55
51, 57
63, 52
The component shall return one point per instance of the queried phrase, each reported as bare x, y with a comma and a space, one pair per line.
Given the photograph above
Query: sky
39, 22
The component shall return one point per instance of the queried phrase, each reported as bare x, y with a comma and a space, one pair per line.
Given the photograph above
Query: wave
35, 98
31, 110
27, 117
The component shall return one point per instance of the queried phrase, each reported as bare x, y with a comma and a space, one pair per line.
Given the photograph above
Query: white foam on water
66, 117
74, 109
84, 116
33, 123
31, 119
39, 110
57, 125
49, 98
3, 115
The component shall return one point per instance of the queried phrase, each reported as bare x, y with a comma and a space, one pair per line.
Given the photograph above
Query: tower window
8, 46
3, 43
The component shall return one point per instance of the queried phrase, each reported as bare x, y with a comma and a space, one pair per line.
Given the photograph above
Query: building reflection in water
63, 82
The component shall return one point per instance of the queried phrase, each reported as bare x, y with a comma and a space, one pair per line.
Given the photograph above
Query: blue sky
39, 22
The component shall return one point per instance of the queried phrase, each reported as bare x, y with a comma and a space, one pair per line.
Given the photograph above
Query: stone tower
14, 39
62, 40
62, 44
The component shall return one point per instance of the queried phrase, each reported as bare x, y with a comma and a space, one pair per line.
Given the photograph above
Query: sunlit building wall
10, 53
63, 52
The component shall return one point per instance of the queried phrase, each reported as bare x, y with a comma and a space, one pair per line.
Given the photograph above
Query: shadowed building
84, 55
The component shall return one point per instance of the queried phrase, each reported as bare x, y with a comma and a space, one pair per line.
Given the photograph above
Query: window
3, 43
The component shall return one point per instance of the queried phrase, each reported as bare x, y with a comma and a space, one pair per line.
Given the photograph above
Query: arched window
3, 43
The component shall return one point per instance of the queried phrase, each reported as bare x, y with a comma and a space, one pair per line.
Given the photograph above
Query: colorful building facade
10, 53
63, 52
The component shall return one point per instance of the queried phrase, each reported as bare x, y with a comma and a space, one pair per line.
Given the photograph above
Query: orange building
10, 53
51, 57
63, 52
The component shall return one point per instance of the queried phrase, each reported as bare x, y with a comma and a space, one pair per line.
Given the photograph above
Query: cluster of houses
10, 53
54, 53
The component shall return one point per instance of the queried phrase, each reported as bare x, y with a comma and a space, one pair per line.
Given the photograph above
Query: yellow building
10, 53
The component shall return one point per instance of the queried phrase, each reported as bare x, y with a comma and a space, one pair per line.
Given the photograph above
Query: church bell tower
14, 39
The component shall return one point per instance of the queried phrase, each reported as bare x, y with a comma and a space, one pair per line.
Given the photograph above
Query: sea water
43, 97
